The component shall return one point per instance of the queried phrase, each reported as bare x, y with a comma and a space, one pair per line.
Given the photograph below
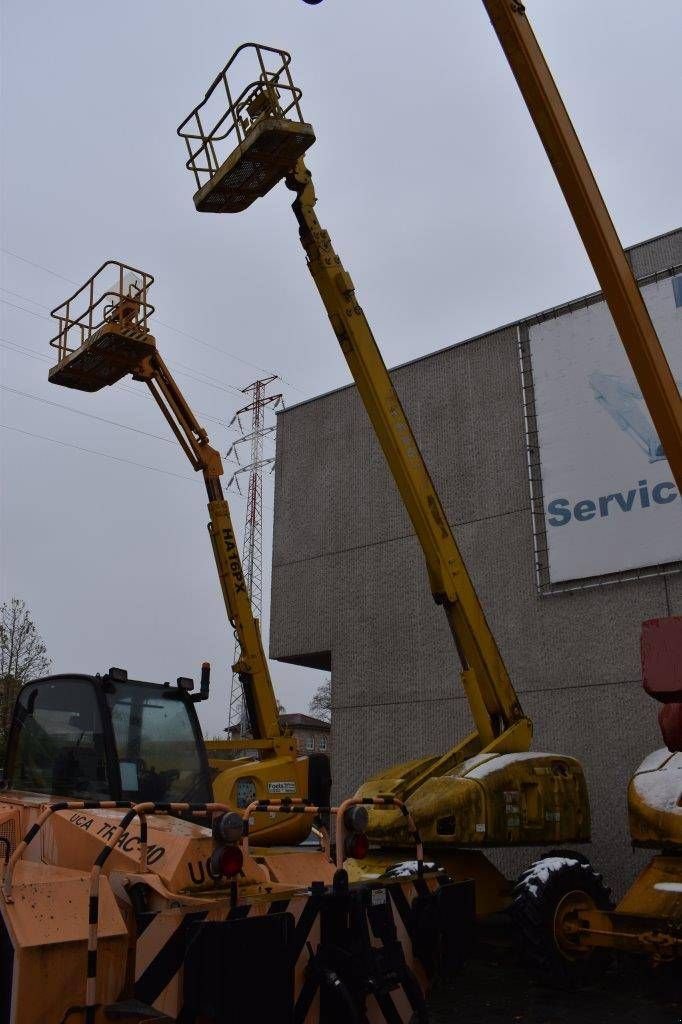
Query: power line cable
39, 266
209, 381
200, 341
105, 455
13, 346
178, 330
20, 350
41, 316
92, 451
89, 415
101, 419
26, 298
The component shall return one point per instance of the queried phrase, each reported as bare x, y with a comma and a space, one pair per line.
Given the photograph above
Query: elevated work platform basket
103, 329
247, 133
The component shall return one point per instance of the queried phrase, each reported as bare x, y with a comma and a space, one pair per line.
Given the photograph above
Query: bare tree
23, 655
321, 701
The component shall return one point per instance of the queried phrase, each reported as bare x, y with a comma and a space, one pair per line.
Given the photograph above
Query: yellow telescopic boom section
493, 701
258, 141
594, 224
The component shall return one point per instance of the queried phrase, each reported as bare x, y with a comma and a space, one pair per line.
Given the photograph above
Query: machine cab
107, 738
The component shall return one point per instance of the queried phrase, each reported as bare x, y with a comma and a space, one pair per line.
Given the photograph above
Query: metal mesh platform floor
269, 151
107, 356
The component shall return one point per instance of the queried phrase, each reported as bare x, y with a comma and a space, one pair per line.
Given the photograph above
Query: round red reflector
357, 846
227, 861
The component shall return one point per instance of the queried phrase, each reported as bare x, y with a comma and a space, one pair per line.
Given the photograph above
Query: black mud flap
443, 925
240, 970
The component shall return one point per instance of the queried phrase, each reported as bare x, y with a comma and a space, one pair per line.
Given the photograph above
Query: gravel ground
494, 989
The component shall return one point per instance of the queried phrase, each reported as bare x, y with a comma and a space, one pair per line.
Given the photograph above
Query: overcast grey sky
430, 178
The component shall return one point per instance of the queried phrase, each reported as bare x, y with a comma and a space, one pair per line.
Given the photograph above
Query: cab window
59, 746
156, 744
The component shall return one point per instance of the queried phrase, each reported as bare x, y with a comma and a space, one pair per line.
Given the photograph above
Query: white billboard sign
610, 501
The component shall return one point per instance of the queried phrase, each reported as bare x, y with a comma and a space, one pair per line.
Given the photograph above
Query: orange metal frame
594, 224
93, 304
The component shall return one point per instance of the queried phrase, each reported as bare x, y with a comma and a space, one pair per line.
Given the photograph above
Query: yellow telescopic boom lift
104, 335
565, 920
488, 790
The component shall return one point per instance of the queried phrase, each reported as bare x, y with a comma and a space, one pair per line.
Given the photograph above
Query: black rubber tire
537, 896
568, 854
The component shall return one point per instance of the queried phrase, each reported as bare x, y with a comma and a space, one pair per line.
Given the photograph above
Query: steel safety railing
297, 805
116, 293
234, 110
139, 811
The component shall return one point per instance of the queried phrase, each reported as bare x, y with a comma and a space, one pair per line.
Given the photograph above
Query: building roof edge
549, 313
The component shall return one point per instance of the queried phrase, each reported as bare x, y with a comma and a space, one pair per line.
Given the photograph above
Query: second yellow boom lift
92, 356
489, 790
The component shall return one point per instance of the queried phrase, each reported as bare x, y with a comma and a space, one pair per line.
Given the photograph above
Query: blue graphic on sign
624, 403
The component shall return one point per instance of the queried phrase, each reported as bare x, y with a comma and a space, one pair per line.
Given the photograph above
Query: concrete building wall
350, 593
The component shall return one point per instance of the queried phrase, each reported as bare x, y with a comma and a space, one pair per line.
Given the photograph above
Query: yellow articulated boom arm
500, 722
104, 335
252, 666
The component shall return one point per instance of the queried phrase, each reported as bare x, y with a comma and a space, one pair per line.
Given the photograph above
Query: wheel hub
567, 924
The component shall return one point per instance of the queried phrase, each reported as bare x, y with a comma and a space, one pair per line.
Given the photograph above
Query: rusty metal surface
655, 801
103, 359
